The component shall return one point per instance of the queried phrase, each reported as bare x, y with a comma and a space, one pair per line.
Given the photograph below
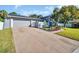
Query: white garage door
20, 23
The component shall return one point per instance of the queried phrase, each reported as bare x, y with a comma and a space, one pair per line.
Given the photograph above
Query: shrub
1, 19
56, 28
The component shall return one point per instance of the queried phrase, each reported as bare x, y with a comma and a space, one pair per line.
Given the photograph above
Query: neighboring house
47, 21
21, 21
74, 23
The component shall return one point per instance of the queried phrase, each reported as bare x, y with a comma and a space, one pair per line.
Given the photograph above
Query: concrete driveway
28, 39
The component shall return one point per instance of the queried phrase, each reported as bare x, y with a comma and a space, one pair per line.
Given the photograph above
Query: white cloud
46, 11
49, 8
17, 6
59, 6
38, 12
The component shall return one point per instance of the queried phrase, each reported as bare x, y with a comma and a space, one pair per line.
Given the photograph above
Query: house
71, 23
74, 23
48, 22
22, 21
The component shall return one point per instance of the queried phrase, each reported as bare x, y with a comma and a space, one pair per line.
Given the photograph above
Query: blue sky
30, 9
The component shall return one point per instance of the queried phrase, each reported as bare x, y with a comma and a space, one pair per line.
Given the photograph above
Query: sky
30, 9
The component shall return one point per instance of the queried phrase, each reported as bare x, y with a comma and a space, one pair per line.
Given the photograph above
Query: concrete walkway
36, 40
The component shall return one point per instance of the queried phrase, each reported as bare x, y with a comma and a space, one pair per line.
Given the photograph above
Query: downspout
30, 23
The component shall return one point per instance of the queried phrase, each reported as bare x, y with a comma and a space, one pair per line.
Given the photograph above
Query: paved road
36, 40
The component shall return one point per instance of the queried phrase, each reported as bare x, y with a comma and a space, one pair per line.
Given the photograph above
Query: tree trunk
65, 23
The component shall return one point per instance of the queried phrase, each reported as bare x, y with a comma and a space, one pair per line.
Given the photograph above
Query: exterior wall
68, 25
60, 24
37, 24
40, 24
8, 23
33, 23
1, 25
12, 23
20, 23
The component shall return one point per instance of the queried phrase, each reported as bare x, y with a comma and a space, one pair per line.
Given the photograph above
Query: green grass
6, 41
72, 33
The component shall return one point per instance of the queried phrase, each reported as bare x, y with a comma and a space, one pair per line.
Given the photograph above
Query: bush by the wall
1, 19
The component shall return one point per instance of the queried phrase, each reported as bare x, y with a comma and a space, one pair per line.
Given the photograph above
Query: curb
76, 50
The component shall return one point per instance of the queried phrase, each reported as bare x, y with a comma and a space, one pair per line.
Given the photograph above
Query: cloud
49, 8
17, 6
59, 6
38, 12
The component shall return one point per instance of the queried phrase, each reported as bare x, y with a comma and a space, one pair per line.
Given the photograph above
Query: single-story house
48, 22
74, 23
21, 21
14, 21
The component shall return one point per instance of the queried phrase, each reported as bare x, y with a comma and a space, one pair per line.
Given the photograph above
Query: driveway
28, 39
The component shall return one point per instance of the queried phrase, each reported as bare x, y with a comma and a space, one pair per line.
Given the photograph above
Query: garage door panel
20, 23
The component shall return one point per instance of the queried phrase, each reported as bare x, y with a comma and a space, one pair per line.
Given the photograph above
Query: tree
33, 15
1, 19
4, 13
36, 16
55, 15
73, 10
13, 13
69, 13
77, 15
39, 16
65, 14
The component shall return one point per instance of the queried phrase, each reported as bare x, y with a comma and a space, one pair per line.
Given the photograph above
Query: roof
75, 21
19, 17
47, 18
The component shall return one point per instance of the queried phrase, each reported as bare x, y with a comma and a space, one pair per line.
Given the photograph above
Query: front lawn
6, 41
72, 33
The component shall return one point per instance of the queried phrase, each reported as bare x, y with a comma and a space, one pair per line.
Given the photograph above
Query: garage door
20, 23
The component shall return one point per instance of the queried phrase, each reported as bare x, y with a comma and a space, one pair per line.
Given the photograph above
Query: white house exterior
1, 25
22, 21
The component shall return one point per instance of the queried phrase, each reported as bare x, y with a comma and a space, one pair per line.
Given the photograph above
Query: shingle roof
19, 17
75, 20
47, 18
